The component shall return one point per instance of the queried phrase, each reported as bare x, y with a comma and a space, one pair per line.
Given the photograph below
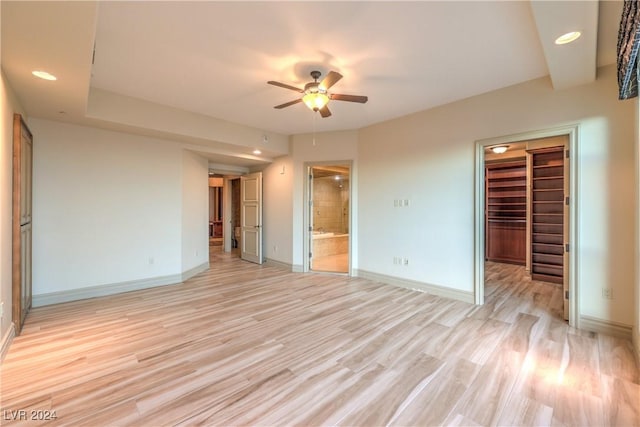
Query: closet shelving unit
506, 208
547, 214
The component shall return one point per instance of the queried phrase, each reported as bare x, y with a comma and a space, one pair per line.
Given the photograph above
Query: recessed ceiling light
44, 75
499, 149
568, 38
257, 152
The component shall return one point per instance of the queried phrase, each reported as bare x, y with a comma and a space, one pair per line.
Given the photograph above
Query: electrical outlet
275, 248
197, 252
607, 293
396, 203
151, 260
405, 202
405, 261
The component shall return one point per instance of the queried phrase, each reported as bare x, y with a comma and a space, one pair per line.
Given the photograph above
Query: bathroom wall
331, 204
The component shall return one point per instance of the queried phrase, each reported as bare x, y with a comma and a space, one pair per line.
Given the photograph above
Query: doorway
216, 212
525, 213
328, 239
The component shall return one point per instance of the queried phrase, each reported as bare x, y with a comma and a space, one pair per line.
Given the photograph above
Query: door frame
572, 131
306, 212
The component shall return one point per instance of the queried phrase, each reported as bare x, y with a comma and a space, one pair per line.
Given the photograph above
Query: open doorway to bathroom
329, 217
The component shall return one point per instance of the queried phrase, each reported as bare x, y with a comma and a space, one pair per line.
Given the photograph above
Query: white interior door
251, 217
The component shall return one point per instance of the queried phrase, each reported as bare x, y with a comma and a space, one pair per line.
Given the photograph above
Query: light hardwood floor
243, 344
332, 263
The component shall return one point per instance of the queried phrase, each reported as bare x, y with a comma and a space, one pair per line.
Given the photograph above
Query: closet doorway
524, 213
329, 217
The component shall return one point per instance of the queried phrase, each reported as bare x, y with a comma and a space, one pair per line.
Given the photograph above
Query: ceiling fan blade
350, 98
286, 104
284, 85
324, 111
331, 79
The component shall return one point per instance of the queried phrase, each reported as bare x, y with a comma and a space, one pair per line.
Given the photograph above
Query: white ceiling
211, 60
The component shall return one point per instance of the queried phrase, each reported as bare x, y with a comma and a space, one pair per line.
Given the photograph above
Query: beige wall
195, 211
636, 325
428, 158
277, 213
9, 105
112, 209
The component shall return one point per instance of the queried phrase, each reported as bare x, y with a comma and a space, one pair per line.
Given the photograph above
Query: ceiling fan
315, 94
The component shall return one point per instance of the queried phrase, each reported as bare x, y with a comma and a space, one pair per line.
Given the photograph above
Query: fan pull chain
314, 128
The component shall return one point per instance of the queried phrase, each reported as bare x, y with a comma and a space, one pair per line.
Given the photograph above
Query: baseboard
7, 339
186, 275
297, 268
465, 296
607, 327
115, 288
273, 263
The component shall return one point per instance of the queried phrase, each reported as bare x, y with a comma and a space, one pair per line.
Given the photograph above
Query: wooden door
22, 214
550, 218
251, 217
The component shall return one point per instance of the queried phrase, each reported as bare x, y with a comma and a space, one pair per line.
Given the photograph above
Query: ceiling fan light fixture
500, 149
315, 100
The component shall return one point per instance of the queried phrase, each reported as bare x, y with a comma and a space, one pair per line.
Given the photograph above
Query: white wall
108, 207
329, 146
428, 157
8, 106
195, 210
277, 210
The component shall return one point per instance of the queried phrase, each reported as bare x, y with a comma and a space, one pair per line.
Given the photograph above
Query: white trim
279, 264
414, 285
572, 131
607, 327
297, 268
7, 339
188, 274
115, 288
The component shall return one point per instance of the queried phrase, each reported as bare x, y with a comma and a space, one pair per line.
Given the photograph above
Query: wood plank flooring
331, 263
243, 344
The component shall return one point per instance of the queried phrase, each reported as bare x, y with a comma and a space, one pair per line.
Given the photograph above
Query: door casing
572, 132
306, 211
